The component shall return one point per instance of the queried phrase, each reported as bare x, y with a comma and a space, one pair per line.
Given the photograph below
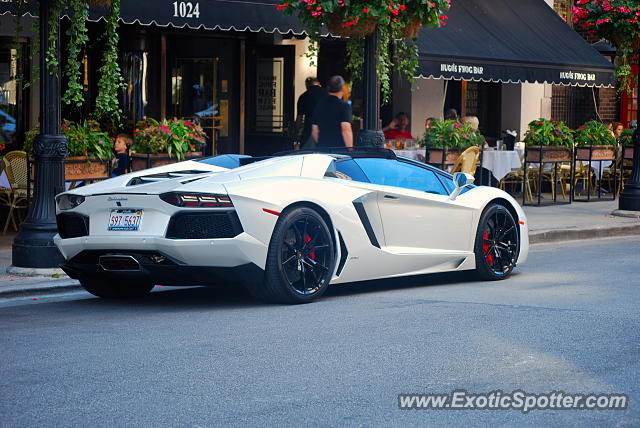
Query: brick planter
442, 155
547, 154
78, 168
595, 153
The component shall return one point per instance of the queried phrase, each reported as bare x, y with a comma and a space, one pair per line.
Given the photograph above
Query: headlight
68, 201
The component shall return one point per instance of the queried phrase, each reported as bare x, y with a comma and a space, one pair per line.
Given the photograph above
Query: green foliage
626, 139
451, 134
174, 137
543, 132
391, 18
111, 81
51, 54
87, 139
78, 39
617, 21
84, 139
594, 133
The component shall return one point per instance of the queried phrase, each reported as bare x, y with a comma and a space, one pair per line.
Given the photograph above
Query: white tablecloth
500, 162
415, 154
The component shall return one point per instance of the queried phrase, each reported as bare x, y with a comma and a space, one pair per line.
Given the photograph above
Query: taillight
196, 200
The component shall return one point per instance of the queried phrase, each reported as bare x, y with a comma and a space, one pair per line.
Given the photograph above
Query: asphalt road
567, 320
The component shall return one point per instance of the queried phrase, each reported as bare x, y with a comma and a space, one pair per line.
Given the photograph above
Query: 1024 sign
186, 9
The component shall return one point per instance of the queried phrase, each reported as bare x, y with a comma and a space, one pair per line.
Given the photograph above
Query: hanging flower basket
411, 30
634, 43
338, 27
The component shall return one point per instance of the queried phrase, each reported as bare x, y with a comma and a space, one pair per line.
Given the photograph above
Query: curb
557, 235
60, 286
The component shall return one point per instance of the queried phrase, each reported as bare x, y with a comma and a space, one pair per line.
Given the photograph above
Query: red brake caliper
485, 247
307, 239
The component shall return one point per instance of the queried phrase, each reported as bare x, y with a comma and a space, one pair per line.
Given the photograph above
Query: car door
417, 215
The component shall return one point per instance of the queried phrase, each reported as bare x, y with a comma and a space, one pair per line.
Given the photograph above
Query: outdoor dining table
500, 162
416, 153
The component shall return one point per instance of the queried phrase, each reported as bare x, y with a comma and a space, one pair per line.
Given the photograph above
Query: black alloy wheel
301, 258
497, 243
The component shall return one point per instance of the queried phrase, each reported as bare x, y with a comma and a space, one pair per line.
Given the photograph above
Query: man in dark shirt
307, 104
331, 124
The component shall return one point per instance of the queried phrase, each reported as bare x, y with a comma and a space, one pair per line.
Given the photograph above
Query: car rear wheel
114, 289
300, 260
497, 243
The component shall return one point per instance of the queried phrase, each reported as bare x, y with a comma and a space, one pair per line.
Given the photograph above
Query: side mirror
461, 180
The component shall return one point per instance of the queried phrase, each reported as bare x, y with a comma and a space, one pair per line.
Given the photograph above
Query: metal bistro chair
518, 176
15, 166
467, 161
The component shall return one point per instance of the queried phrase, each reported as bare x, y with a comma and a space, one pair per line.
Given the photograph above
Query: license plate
125, 219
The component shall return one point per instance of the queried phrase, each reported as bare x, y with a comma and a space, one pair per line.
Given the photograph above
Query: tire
116, 289
300, 259
497, 244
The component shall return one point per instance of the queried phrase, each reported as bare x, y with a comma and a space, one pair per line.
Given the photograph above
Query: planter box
141, 161
595, 153
628, 152
547, 154
442, 156
78, 168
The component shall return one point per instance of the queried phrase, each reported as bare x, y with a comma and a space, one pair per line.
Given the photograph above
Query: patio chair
467, 161
15, 166
518, 176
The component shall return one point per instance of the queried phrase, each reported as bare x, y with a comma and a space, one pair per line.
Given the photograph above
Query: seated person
121, 148
397, 129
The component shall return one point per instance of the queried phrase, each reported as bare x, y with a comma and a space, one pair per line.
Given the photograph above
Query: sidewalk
580, 220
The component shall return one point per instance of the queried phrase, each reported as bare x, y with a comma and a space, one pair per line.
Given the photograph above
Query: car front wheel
497, 243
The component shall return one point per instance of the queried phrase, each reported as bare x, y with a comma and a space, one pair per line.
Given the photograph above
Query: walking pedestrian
451, 114
307, 103
331, 123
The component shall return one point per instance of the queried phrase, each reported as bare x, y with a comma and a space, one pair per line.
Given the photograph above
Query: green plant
594, 133
174, 137
391, 18
77, 32
87, 139
544, 132
617, 21
111, 81
626, 139
451, 134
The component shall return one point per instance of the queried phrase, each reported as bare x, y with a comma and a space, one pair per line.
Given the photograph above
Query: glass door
195, 89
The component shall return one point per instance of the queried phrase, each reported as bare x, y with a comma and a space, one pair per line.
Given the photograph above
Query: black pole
630, 196
371, 136
33, 246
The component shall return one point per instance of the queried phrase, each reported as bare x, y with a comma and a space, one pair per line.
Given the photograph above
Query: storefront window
13, 107
136, 95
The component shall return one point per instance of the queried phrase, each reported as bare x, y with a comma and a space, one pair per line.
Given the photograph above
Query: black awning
510, 41
240, 15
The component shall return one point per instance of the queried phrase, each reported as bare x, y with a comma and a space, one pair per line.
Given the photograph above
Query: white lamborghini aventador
287, 226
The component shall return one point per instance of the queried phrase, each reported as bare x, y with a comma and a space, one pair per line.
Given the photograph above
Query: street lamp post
371, 136
33, 246
630, 196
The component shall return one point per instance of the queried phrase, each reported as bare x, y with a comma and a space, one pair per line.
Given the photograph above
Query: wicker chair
467, 161
15, 165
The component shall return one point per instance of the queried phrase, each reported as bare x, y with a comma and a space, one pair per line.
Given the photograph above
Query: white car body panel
417, 232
